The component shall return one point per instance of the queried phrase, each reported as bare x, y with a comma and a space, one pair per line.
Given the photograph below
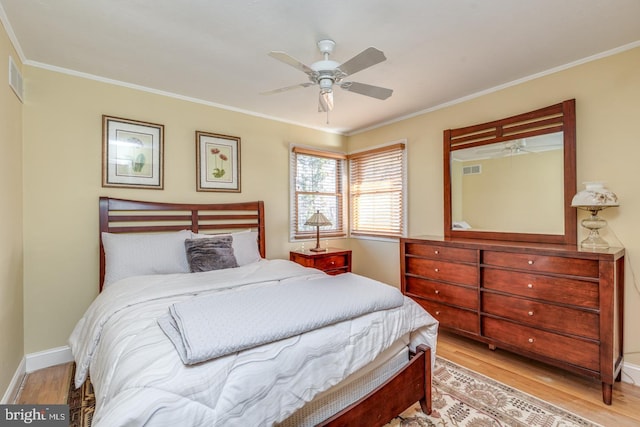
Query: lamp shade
594, 195
318, 220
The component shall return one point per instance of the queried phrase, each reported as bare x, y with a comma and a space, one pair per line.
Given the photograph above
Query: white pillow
245, 245
137, 254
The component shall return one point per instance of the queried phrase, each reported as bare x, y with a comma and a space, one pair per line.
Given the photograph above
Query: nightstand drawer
331, 262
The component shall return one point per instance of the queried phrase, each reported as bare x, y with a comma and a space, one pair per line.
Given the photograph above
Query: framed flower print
217, 162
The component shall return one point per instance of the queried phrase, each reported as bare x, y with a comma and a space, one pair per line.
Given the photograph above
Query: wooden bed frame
410, 385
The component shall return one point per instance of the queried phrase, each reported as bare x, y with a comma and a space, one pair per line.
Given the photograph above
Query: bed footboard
411, 384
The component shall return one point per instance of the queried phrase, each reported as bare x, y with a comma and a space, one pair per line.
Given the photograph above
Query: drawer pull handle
531, 340
530, 285
437, 269
530, 262
437, 313
530, 313
437, 292
436, 252
333, 262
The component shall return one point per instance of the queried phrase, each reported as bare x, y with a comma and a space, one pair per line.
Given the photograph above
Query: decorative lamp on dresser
492, 279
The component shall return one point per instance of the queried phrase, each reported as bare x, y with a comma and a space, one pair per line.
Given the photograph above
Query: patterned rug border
81, 402
509, 389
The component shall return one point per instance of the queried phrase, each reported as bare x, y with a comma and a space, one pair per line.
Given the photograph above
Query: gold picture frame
132, 153
217, 162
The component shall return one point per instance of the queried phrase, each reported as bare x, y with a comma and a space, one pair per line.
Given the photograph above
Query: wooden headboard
130, 216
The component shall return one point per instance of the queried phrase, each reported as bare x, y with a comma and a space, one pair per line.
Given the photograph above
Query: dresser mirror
513, 179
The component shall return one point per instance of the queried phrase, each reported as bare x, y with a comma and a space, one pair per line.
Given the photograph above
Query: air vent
15, 79
472, 170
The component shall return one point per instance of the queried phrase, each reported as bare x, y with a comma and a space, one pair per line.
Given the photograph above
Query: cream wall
607, 93
62, 169
11, 306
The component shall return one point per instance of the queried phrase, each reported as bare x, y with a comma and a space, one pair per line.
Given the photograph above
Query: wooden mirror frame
555, 118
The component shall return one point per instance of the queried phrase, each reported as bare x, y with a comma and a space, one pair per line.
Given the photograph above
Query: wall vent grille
472, 170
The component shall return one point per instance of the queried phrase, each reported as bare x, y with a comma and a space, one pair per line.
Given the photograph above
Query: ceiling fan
327, 73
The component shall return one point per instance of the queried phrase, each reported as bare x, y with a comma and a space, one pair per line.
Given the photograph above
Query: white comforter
139, 379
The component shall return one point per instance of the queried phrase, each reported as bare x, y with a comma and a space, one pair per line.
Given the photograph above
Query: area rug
461, 398
464, 398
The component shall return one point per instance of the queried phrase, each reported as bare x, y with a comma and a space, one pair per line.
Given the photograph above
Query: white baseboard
14, 386
46, 358
631, 374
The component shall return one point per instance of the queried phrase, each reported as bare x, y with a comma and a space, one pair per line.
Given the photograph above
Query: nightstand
332, 261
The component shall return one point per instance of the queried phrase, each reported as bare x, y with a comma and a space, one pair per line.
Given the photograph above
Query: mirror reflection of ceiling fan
327, 73
517, 146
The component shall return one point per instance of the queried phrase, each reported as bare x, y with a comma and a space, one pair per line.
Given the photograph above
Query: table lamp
318, 220
594, 198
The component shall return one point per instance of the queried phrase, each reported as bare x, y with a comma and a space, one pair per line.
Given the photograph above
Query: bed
148, 367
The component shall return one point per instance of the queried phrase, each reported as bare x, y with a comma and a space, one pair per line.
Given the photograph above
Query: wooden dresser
553, 303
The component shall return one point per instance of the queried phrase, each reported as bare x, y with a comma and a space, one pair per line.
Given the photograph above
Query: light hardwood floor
574, 393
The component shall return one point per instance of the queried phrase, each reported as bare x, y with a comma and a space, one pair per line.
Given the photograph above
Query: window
317, 179
377, 191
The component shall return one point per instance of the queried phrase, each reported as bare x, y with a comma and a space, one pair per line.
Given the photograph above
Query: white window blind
317, 183
377, 191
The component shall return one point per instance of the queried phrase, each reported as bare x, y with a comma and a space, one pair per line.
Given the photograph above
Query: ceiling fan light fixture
325, 84
326, 72
326, 101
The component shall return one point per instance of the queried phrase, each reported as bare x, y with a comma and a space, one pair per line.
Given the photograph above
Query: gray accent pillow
214, 253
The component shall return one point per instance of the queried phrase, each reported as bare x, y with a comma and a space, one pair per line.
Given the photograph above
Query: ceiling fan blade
289, 60
284, 89
368, 90
325, 102
366, 58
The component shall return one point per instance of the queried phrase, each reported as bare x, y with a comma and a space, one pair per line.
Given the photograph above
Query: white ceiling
438, 51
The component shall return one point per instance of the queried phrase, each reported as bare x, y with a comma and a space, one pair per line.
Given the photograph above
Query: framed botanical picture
217, 162
132, 153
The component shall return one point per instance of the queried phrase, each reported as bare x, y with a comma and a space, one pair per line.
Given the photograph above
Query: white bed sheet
139, 378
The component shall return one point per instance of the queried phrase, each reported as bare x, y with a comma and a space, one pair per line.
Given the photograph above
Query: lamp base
318, 249
594, 241
593, 224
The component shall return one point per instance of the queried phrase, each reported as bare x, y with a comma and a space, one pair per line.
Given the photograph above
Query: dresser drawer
549, 288
441, 252
442, 292
442, 270
542, 263
566, 349
451, 317
547, 316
